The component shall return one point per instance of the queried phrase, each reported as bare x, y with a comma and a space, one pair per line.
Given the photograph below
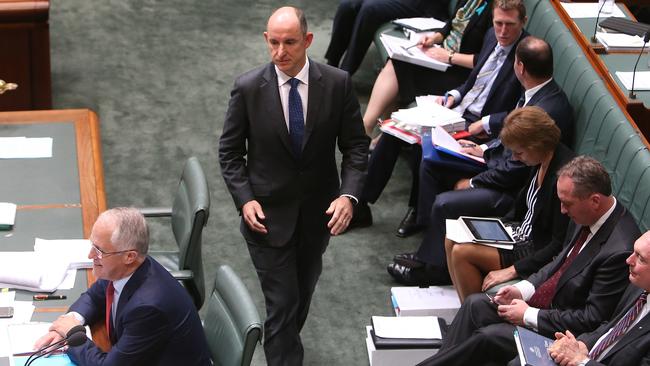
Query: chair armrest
156, 211
182, 275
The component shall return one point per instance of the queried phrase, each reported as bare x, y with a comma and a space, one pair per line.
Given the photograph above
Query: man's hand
341, 211
506, 294
499, 276
513, 313
567, 350
252, 213
50, 337
63, 324
462, 184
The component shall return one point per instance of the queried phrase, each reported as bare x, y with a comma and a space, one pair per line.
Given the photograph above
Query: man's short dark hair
537, 57
588, 175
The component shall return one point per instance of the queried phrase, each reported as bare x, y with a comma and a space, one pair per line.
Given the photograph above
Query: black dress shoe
423, 276
362, 216
408, 260
409, 225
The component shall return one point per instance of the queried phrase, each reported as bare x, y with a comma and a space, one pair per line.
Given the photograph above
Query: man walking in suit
277, 155
445, 191
576, 291
152, 319
625, 340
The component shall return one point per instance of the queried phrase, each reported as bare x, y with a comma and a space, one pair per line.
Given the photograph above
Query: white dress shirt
303, 89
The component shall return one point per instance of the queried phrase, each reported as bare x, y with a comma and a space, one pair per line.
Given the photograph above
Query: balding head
639, 262
288, 15
288, 39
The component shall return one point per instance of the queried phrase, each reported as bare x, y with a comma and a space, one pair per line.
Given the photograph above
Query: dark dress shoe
409, 225
423, 276
408, 260
361, 217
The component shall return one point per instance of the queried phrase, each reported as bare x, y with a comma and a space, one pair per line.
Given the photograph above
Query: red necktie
109, 303
544, 294
621, 327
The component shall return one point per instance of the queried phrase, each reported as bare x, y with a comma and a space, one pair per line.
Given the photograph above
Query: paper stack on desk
620, 41
430, 115
73, 251
31, 271
25, 148
7, 215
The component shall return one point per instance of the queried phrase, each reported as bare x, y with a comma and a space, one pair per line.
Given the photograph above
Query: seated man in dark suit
625, 339
577, 290
491, 87
152, 320
445, 191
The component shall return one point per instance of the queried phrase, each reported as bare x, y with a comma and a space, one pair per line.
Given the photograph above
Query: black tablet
484, 229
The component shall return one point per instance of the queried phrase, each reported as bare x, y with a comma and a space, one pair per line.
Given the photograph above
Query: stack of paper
31, 271
416, 301
431, 115
589, 10
641, 79
7, 215
404, 132
398, 49
620, 41
72, 251
407, 327
419, 24
23, 147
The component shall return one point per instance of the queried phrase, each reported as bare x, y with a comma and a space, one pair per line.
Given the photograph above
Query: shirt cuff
471, 185
456, 94
77, 316
486, 124
354, 200
530, 317
526, 288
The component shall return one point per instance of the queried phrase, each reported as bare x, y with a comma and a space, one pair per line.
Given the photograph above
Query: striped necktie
621, 327
296, 119
482, 80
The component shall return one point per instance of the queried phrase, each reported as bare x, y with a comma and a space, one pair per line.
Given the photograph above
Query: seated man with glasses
149, 317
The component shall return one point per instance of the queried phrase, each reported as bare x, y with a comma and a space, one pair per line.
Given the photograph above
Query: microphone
593, 37
76, 336
646, 38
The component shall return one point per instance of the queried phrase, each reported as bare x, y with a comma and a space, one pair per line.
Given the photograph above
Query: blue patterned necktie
621, 327
296, 120
481, 81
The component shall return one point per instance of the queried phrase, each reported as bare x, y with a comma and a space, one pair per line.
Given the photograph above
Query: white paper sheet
23, 336
31, 271
641, 81
73, 251
589, 10
420, 24
396, 48
23, 312
7, 213
432, 297
407, 327
23, 147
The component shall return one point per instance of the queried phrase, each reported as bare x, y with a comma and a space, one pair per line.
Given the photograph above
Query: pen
490, 297
464, 144
49, 297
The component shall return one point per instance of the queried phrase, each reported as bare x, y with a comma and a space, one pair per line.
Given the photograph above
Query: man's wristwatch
584, 362
451, 54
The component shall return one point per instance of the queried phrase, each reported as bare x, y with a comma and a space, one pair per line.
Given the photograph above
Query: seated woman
460, 39
534, 139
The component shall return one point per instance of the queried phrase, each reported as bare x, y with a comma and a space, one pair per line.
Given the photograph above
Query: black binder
409, 343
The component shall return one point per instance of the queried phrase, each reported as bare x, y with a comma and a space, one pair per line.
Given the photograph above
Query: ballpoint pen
49, 297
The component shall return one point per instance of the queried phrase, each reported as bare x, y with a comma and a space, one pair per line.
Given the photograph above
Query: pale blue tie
482, 79
296, 120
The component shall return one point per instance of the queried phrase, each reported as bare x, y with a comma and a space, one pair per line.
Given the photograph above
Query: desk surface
606, 64
58, 197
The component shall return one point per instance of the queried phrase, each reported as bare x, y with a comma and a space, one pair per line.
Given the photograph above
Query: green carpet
159, 73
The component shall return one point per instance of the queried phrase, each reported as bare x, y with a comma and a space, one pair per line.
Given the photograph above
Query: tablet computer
486, 230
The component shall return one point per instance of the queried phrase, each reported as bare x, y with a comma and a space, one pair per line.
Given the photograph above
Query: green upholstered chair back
232, 324
190, 213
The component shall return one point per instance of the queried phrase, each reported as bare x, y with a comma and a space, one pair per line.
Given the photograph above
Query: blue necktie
296, 120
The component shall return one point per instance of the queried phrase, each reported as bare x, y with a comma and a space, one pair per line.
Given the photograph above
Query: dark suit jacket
634, 347
156, 322
552, 100
506, 90
548, 223
589, 289
257, 162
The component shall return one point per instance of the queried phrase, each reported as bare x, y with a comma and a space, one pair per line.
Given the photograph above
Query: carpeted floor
159, 73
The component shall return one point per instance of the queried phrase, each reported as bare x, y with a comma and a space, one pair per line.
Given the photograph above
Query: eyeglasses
101, 254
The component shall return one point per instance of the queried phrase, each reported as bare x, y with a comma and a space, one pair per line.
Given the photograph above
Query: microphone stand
593, 37
646, 38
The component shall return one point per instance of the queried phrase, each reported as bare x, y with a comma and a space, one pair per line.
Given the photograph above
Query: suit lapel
544, 91
505, 70
139, 276
270, 95
593, 247
316, 92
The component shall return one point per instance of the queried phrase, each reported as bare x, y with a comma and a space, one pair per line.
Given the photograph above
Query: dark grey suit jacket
257, 162
634, 347
589, 289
